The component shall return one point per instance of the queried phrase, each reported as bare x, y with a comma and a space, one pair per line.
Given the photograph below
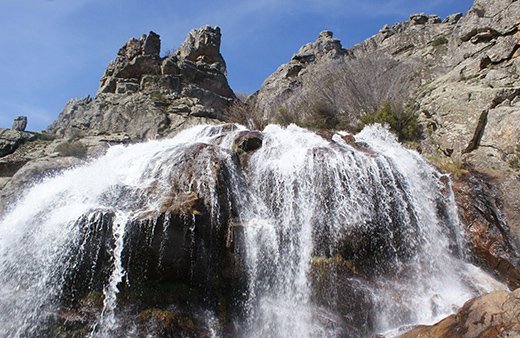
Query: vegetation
284, 117
402, 121
440, 40
239, 112
454, 166
73, 148
514, 161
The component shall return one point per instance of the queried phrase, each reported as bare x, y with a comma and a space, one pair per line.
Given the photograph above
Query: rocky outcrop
20, 123
141, 96
323, 78
488, 233
458, 75
472, 112
147, 96
11, 139
492, 315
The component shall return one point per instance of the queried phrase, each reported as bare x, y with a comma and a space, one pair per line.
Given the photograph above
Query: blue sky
55, 50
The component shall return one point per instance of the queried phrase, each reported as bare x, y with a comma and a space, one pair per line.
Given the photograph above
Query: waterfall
305, 236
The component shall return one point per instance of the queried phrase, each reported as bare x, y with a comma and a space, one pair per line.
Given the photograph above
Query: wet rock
491, 315
492, 243
164, 323
247, 141
335, 282
30, 172
20, 123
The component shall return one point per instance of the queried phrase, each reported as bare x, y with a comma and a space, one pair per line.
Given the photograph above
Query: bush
74, 148
403, 122
322, 117
239, 112
514, 162
441, 40
284, 117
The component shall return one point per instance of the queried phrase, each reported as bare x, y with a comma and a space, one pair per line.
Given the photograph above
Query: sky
55, 50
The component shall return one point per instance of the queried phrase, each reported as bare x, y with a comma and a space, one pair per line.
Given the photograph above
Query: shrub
454, 166
514, 162
438, 41
239, 112
74, 148
284, 117
322, 117
403, 122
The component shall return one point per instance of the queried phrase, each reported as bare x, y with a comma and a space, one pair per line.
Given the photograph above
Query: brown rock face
488, 233
493, 315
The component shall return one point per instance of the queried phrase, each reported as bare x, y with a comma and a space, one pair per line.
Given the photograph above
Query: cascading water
309, 237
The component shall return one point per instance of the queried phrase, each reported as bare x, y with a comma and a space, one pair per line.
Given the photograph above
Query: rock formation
323, 76
458, 75
493, 315
20, 123
147, 96
10, 139
141, 96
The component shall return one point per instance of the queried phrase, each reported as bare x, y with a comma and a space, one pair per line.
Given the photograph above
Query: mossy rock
165, 323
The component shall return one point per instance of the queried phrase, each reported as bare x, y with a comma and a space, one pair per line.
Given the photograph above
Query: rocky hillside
459, 77
141, 96
347, 83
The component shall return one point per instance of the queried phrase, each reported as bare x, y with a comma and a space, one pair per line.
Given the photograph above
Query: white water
301, 199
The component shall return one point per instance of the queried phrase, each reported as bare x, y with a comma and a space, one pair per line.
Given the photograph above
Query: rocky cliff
147, 96
141, 96
458, 76
323, 75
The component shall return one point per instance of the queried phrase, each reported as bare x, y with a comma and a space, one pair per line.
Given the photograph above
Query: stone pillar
20, 123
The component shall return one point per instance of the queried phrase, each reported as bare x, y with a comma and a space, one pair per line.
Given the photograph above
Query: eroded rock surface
493, 315
459, 75
147, 96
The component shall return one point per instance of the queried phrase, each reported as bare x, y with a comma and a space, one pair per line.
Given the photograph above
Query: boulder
492, 315
324, 46
10, 139
20, 123
203, 45
418, 19
247, 141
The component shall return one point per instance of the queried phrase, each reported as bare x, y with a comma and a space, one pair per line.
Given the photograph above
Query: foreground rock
492, 315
